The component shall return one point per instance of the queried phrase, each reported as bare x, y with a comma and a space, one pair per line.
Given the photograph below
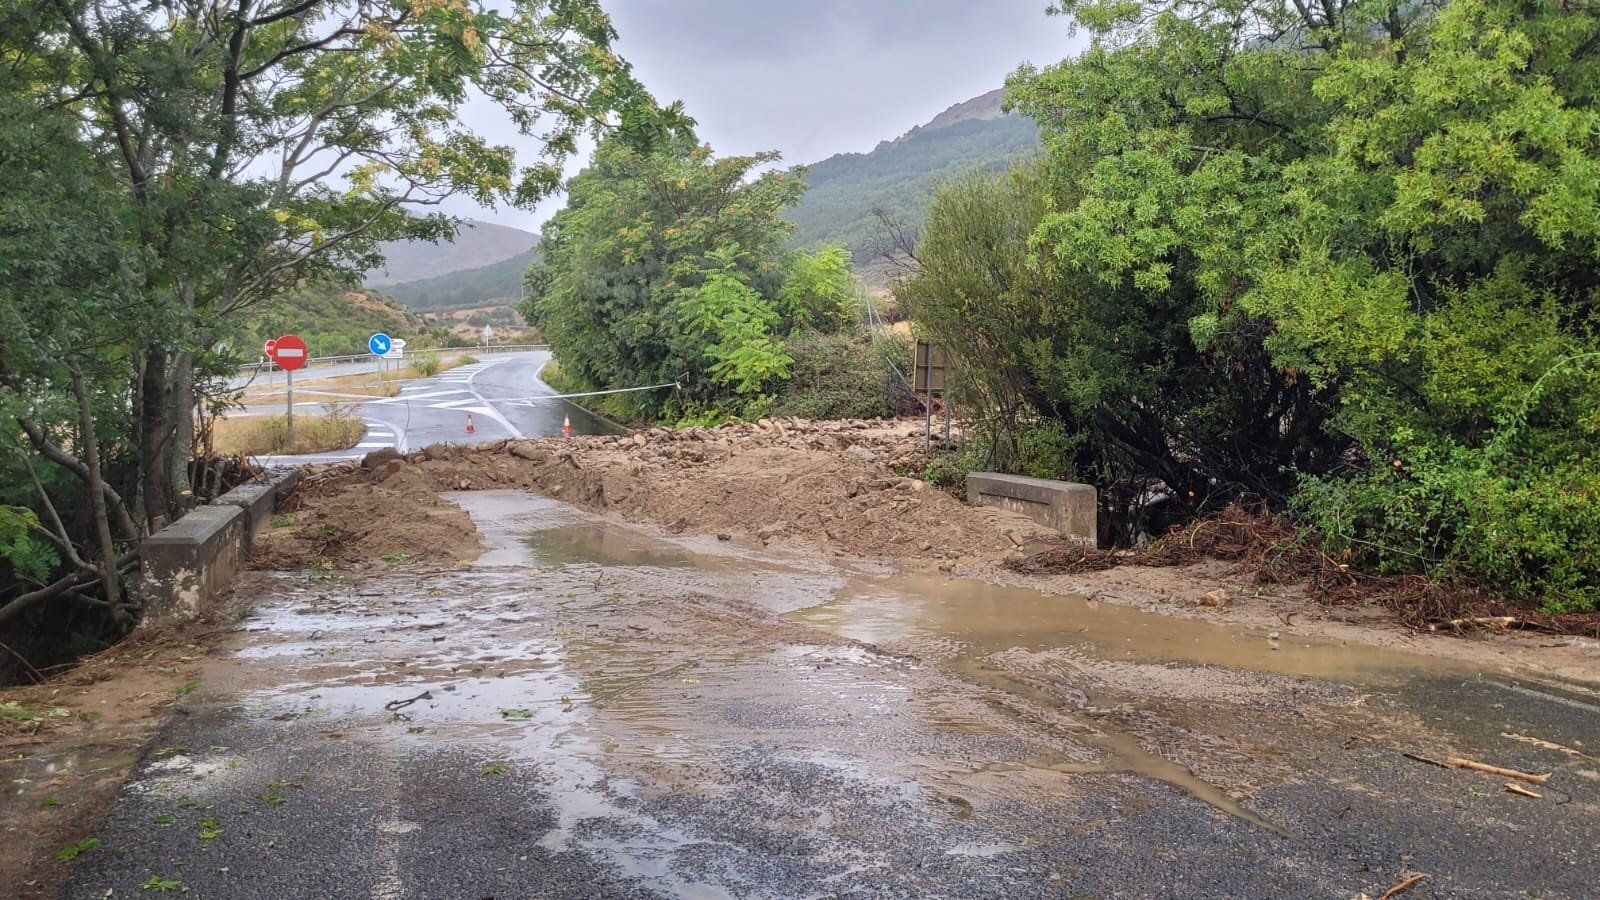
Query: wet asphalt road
600, 712
500, 395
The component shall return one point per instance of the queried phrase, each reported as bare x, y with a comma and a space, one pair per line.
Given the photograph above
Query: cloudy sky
811, 78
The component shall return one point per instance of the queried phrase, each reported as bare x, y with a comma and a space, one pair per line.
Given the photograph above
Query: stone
1218, 597
1069, 508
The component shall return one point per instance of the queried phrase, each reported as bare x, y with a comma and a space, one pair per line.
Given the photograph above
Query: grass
337, 429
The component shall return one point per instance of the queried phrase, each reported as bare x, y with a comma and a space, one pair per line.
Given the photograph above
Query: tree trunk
152, 436
97, 498
180, 418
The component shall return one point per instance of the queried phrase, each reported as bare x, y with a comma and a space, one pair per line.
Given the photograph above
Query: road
594, 710
499, 396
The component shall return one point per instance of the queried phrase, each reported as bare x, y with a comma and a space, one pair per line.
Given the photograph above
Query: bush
427, 365
838, 375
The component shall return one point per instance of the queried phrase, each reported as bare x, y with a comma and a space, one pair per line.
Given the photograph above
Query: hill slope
899, 176
337, 320
495, 284
478, 244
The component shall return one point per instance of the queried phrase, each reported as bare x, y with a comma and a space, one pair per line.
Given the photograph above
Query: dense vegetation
164, 167
496, 283
671, 266
1339, 256
336, 321
844, 192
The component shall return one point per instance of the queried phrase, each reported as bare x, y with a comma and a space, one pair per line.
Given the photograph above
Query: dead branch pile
1271, 549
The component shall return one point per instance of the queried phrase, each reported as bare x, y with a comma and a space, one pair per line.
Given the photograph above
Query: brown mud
829, 487
68, 743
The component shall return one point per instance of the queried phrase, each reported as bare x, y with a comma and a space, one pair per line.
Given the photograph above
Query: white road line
489, 411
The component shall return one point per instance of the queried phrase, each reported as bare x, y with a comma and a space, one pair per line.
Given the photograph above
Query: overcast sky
810, 78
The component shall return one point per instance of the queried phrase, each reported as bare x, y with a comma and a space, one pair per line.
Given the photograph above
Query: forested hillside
495, 284
476, 245
899, 176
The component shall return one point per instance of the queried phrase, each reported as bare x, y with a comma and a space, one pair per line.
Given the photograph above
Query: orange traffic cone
566, 425
470, 428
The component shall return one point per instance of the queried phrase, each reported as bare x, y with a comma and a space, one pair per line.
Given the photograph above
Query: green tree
165, 167
665, 265
1344, 249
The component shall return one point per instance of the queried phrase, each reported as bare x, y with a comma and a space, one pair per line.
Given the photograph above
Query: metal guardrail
267, 366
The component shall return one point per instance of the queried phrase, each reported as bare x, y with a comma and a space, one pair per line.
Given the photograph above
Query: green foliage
499, 282
734, 324
73, 851
817, 288
336, 321
1275, 253
838, 375
667, 265
29, 556
427, 364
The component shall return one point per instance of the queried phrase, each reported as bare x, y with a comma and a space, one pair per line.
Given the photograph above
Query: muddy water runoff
958, 625
618, 659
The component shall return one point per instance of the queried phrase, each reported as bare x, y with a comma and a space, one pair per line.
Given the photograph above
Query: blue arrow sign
379, 344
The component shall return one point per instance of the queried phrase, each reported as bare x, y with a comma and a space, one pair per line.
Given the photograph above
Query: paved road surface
499, 394
593, 711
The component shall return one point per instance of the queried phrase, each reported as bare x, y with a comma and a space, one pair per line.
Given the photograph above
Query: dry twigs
1271, 549
1403, 886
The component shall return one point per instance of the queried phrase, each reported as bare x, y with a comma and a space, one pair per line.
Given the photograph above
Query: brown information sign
931, 366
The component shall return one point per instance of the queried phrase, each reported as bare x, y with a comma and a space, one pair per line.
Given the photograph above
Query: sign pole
288, 413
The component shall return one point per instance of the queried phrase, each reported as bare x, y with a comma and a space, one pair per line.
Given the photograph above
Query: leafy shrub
427, 365
837, 375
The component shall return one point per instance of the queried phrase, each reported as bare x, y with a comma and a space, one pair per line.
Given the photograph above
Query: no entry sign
289, 352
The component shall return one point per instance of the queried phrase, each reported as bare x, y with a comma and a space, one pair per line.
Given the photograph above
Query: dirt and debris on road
757, 659
67, 744
835, 486
838, 487
594, 708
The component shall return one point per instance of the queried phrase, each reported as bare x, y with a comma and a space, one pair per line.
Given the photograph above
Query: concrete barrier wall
190, 565
1066, 506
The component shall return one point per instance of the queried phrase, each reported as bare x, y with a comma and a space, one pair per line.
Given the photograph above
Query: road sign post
378, 345
929, 374
289, 352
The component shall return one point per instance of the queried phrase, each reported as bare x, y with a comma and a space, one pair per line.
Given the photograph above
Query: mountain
478, 244
899, 175
497, 284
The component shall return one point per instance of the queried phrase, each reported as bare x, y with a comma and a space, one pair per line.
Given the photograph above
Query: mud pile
833, 486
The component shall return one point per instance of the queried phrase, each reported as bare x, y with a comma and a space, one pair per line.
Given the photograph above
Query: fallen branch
1498, 622
1428, 760
393, 705
1476, 766
1513, 788
1403, 886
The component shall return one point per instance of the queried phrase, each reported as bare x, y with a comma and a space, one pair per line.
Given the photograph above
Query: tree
166, 166
1341, 250
664, 266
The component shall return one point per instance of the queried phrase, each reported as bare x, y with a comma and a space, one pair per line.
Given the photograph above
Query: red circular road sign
289, 352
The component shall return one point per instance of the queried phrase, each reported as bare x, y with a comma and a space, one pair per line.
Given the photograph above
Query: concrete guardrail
1066, 506
190, 565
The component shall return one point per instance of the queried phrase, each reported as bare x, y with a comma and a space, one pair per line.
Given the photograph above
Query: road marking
489, 411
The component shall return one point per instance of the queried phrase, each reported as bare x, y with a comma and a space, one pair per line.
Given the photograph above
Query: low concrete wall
190, 565
259, 500
1068, 507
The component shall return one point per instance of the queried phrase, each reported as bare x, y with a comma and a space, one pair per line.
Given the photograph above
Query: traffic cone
470, 428
566, 425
